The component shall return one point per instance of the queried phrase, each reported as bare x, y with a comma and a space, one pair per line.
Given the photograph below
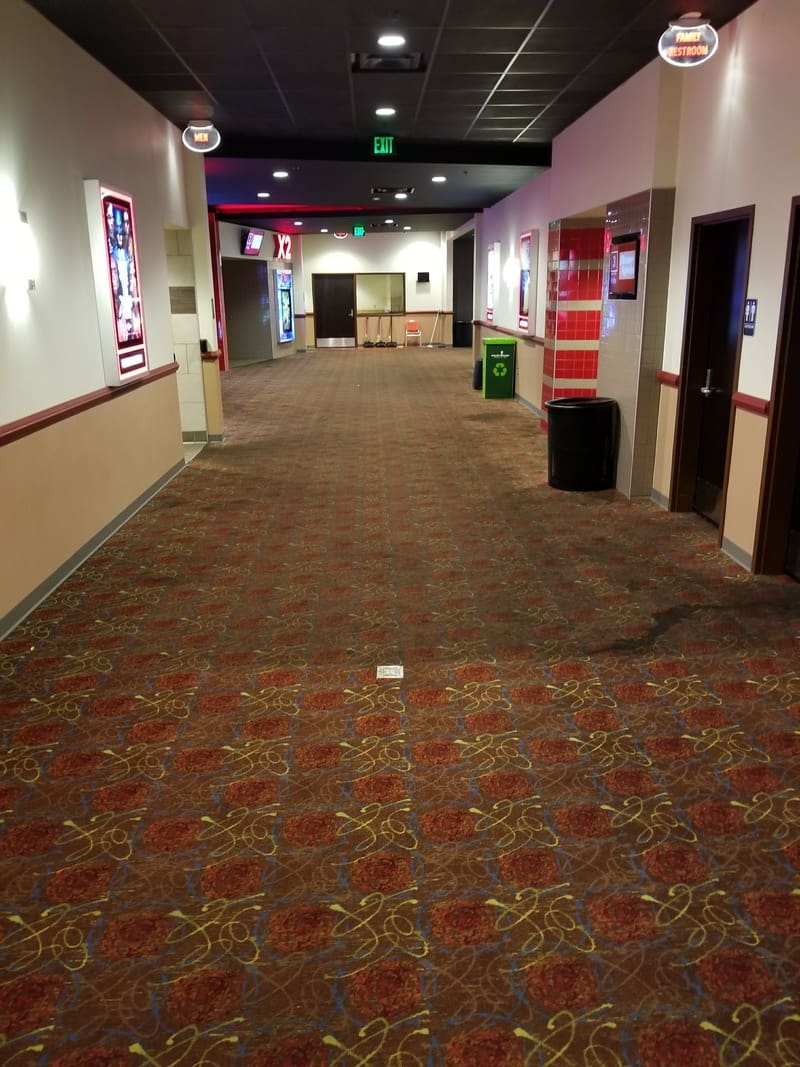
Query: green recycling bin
499, 367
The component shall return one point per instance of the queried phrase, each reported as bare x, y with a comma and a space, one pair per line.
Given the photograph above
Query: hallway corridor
569, 834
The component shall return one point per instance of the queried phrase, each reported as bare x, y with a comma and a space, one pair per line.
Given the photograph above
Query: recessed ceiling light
280, 174
438, 178
391, 40
263, 195
406, 227
401, 196
384, 111
376, 198
323, 231
298, 224
389, 222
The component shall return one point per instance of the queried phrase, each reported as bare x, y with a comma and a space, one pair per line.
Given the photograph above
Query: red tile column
575, 250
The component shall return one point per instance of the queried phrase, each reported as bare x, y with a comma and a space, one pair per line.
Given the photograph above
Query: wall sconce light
688, 41
201, 135
27, 253
19, 258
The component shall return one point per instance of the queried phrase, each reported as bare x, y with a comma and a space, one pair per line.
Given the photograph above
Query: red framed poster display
111, 218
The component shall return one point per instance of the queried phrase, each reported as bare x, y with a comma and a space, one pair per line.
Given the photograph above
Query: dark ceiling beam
532, 155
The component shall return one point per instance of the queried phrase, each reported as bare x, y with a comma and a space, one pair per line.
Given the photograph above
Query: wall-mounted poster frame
285, 302
492, 268
525, 250
111, 219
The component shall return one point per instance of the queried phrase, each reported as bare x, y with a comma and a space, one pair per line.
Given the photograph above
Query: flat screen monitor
251, 245
623, 267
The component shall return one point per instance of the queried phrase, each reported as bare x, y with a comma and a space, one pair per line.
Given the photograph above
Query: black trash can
477, 374
582, 442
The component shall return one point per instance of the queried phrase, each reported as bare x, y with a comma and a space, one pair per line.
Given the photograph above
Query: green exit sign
358, 231
382, 145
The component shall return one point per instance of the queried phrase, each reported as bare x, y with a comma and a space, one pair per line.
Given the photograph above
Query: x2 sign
283, 245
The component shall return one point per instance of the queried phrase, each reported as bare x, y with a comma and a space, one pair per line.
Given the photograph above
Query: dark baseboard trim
14, 617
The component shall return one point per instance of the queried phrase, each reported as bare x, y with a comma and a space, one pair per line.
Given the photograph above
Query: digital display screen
623, 267
252, 243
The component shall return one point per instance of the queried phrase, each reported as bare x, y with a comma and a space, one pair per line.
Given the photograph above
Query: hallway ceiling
480, 91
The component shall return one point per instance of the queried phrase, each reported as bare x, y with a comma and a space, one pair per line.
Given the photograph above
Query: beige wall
665, 443
741, 501
64, 484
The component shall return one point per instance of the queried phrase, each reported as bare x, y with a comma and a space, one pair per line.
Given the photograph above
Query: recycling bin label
498, 367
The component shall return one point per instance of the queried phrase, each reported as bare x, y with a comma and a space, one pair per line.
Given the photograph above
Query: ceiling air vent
368, 63
391, 190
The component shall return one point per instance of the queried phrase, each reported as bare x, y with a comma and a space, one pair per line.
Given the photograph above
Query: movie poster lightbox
115, 263
283, 288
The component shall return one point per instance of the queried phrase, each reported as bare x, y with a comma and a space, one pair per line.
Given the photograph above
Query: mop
439, 344
391, 343
380, 343
367, 342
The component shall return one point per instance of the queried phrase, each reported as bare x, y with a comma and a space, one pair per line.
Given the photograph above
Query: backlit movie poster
491, 281
524, 280
123, 275
285, 308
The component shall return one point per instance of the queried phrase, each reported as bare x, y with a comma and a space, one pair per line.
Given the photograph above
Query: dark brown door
463, 285
715, 313
247, 310
793, 547
334, 310
777, 547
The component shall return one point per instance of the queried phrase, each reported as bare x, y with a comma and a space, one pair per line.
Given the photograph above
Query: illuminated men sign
201, 136
283, 245
688, 42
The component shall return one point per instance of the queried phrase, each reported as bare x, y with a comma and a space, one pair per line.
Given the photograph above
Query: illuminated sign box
382, 145
359, 231
115, 264
687, 43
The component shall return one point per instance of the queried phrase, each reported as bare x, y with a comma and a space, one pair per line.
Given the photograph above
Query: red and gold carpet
570, 834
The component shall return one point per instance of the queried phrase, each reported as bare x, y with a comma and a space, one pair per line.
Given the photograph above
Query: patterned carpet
570, 834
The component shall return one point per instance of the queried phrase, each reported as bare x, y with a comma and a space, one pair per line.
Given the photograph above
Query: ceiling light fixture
401, 196
688, 41
201, 135
391, 40
323, 231
298, 224
389, 222
385, 112
406, 227
280, 174
262, 196
438, 178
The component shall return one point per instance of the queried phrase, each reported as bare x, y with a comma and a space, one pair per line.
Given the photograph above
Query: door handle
707, 389
350, 313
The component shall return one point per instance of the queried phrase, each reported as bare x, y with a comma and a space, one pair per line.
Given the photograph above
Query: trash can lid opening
579, 402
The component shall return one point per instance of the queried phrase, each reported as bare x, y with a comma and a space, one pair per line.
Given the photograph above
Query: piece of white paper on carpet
391, 671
